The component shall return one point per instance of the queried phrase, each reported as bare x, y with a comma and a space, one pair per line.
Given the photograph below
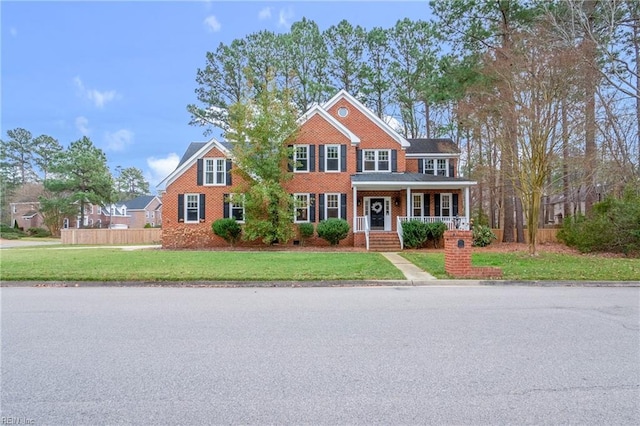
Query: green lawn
546, 266
104, 264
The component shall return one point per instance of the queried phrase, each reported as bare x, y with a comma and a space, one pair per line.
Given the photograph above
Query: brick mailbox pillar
457, 257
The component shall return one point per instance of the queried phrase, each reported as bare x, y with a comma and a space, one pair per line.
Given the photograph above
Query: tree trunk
590, 83
566, 210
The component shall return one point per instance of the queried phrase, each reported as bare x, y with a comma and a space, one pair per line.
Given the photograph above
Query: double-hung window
332, 205
215, 171
332, 158
417, 205
445, 205
436, 167
236, 207
376, 160
192, 208
301, 158
301, 208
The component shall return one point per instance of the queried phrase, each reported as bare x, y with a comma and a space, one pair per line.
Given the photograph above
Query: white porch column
355, 207
467, 207
408, 202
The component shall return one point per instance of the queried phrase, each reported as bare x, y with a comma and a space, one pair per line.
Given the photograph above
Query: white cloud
264, 13
13, 31
212, 23
82, 124
98, 98
119, 140
160, 168
285, 18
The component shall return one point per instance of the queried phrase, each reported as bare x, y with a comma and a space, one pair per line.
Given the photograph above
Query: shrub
228, 229
9, 233
333, 230
38, 232
435, 231
305, 230
147, 225
414, 233
482, 236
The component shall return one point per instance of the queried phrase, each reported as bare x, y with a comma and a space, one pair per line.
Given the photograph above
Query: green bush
482, 236
414, 233
38, 232
612, 226
9, 233
306, 231
435, 231
333, 230
228, 229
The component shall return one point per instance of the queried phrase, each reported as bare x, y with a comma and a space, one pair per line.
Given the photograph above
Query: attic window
343, 112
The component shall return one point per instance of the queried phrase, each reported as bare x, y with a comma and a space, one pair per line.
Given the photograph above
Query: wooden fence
544, 235
111, 236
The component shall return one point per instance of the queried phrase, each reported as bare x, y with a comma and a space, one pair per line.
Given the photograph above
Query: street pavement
386, 355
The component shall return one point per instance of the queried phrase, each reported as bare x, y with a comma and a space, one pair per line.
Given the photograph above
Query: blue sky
123, 72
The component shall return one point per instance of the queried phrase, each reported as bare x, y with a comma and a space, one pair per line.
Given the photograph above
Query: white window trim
186, 208
296, 208
413, 208
231, 196
215, 161
326, 204
326, 158
295, 159
376, 160
450, 197
435, 166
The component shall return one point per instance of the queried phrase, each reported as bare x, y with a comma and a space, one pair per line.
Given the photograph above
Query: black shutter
312, 158
180, 207
427, 204
420, 165
321, 158
436, 202
229, 166
290, 162
451, 170
343, 158
343, 206
199, 171
226, 211
358, 160
394, 160
455, 204
321, 207
202, 209
312, 207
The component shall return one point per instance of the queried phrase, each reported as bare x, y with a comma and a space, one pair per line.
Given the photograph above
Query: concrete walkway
410, 271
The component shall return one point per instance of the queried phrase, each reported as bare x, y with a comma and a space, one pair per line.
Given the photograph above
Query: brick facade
457, 257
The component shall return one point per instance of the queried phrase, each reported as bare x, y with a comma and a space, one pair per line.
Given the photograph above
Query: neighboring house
145, 209
348, 164
26, 215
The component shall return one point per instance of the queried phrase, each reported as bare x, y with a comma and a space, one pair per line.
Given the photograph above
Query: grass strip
544, 267
55, 264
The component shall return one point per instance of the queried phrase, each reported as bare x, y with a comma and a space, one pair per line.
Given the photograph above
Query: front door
376, 212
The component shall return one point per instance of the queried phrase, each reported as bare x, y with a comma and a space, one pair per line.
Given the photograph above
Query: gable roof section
193, 152
432, 146
139, 203
329, 118
343, 94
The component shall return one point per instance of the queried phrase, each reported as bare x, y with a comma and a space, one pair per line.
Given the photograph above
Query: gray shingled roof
192, 149
432, 146
403, 177
139, 203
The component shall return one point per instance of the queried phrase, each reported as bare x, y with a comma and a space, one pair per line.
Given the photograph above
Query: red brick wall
457, 260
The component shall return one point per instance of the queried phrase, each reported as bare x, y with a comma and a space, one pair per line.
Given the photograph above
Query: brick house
26, 215
143, 210
348, 164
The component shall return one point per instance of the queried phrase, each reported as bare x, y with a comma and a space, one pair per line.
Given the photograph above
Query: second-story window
332, 158
301, 158
376, 160
436, 167
214, 171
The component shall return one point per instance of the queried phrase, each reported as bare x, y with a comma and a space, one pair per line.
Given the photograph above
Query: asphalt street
384, 355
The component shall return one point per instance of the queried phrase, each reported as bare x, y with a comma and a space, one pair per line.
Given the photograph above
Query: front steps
384, 241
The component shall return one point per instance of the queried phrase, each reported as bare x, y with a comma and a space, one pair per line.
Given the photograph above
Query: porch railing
463, 223
362, 225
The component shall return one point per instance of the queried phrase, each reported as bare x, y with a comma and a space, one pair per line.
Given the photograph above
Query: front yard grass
104, 264
546, 266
